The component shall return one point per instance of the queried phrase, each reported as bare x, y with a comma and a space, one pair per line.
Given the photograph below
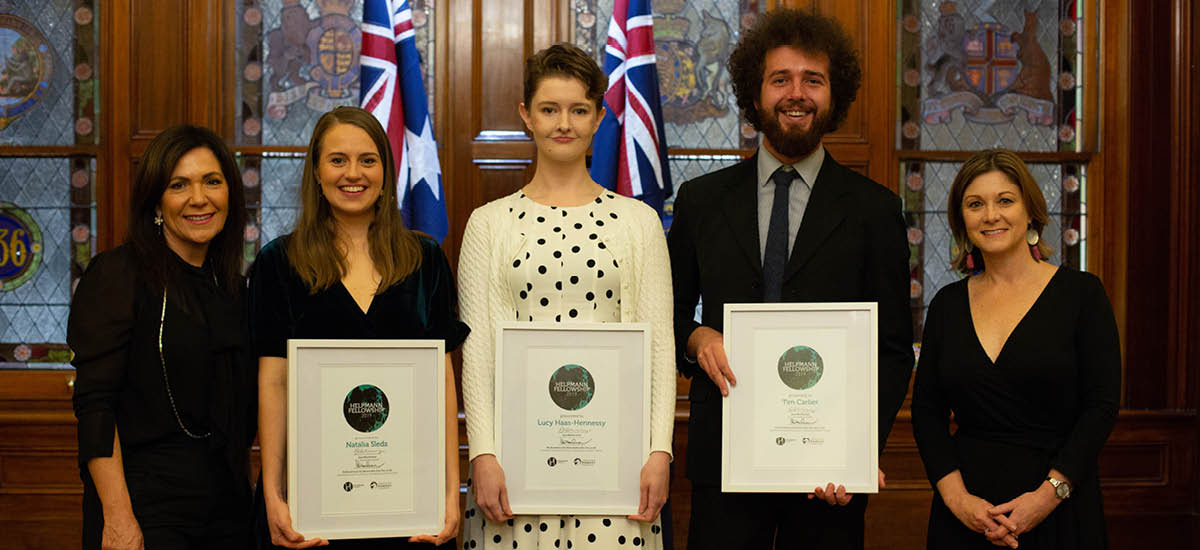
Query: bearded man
789, 224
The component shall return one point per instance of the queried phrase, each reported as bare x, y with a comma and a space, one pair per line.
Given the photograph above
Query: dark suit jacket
851, 247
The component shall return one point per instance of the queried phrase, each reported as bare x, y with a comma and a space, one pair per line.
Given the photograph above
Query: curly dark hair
805, 31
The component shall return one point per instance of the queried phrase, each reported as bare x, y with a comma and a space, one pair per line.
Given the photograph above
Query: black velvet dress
1049, 401
185, 492
424, 305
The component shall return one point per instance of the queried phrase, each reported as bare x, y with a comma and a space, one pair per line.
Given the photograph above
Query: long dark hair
312, 249
150, 246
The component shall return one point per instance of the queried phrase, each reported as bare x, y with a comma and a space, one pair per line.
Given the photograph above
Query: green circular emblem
366, 408
20, 246
801, 367
572, 387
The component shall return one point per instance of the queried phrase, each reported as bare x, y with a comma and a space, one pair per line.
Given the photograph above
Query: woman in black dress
164, 388
1026, 356
350, 269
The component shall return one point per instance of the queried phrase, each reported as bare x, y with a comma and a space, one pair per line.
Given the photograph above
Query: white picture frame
572, 415
395, 471
805, 410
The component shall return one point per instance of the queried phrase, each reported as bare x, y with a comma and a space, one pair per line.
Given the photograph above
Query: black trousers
756, 521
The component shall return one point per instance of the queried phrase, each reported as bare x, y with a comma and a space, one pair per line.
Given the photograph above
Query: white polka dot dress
565, 272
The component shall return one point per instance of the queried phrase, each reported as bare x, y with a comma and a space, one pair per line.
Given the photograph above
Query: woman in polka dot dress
562, 249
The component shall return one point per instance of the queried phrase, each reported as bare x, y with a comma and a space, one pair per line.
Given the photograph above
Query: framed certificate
366, 453
573, 415
803, 413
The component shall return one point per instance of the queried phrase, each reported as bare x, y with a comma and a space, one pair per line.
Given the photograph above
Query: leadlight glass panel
693, 40
688, 167
47, 235
272, 195
297, 59
48, 76
976, 74
924, 189
49, 83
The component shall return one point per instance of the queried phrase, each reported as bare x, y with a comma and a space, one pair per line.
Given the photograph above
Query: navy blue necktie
776, 254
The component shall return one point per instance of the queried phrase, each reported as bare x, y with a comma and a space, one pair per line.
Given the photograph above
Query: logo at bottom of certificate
572, 387
806, 440
365, 408
801, 367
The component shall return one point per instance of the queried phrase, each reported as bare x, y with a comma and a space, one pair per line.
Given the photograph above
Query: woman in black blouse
1026, 356
164, 386
350, 269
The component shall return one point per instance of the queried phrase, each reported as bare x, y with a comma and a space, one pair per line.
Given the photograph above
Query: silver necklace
162, 359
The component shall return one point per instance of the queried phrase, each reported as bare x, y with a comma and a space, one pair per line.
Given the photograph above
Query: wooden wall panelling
1148, 472
112, 199
1190, 356
1112, 164
1150, 257
461, 89
160, 66
1183, 284
501, 53
40, 491
500, 177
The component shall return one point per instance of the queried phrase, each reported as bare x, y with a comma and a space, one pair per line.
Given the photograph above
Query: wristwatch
1062, 489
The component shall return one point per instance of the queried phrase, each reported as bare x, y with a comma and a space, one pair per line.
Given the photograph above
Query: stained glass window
978, 74
49, 108
692, 44
297, 59
273, 195
685, 167
48, 76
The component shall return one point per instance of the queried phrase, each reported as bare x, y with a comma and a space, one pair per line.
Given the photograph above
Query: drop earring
158, 219
1033, 238
970, 257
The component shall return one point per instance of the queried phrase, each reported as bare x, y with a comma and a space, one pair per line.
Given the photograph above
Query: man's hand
837, 496
708, 347
833, 496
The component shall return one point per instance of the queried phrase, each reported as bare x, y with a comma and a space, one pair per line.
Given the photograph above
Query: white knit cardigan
490, 243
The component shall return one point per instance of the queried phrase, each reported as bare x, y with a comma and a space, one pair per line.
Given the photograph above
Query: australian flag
393, 90
628, 153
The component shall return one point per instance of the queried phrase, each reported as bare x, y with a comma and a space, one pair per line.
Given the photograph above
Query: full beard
796, 143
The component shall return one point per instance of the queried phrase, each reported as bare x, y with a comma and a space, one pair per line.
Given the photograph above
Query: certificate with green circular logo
366, 437
572, 415
803, 412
